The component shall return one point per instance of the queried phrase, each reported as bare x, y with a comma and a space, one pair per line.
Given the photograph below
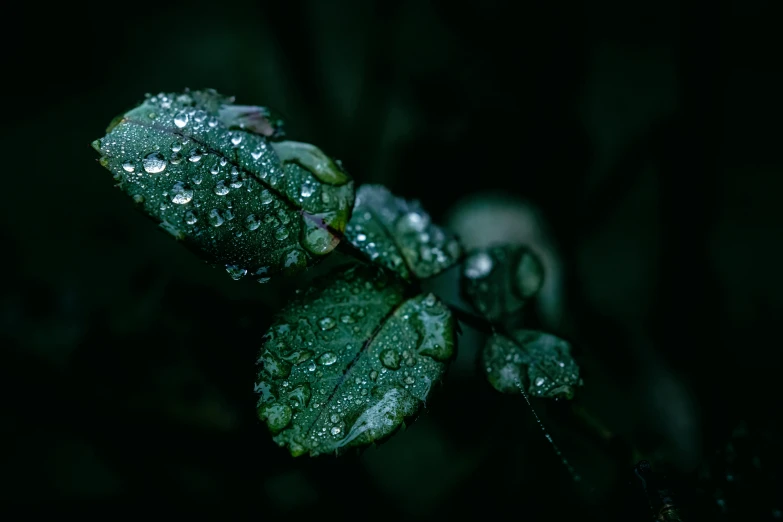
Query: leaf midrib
365, 346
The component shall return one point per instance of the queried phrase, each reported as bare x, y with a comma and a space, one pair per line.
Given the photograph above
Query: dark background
645, 136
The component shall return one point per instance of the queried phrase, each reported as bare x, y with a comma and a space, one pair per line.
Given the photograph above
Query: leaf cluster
348, 360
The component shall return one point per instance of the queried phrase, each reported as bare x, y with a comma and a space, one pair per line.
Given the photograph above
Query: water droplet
266, 197
277, 415
176, 158
181, 194
307, 190
317, 238
327, 323
128, 166
236, 272
412, 222
373, 375
294, 260
347, 319
274, 365
281, 233
214, 170
200, 116
300, 395
540, 381
361, 237
236, 139
252, 222
176, 147
478, 265
190, 217
409, 379
215, 219
390, 359
181, 119
138, 198
256, 154
327, 359
336, 430
221, 189
429, 301
212, 123
195, 155
228, 214
311, 366
154, 163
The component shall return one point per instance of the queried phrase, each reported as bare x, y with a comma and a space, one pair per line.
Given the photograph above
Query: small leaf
252, 119
398, 234
313, 159
346, 362
537, 361
204, 169
500, 280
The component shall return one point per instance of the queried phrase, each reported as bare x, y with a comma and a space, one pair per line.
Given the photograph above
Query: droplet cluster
367, 356
399, 235
207, 172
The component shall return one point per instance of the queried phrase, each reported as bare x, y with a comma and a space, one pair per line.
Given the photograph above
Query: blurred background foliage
634, 145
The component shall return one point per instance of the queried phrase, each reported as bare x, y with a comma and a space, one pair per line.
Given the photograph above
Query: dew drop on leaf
281, 233
215, 219
390, 359
478, 265
181, 120
328, 359
181, 194
252, 222
154, 163
236, 272
327, 323
221, 189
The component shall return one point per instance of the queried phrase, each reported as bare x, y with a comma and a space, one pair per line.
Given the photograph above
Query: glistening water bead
154, 163
215, 219
327, 323
221, 189
181, 120
180, 194
252, 222
478, 265
328, 359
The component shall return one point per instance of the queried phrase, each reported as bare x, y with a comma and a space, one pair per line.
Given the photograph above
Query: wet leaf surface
499, 280
205, 170
399, 235
539, 362
347, 361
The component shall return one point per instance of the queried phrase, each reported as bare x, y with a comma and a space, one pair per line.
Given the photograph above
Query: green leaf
538, 362
205, 170
399, 235
499, 280
347, 361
